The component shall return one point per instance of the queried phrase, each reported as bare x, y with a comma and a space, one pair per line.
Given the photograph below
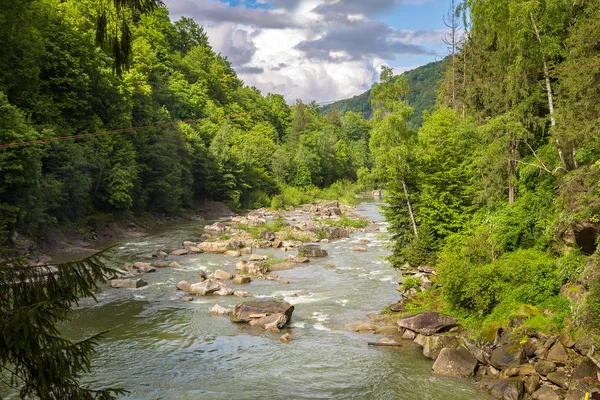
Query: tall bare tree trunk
410, 211
550, 96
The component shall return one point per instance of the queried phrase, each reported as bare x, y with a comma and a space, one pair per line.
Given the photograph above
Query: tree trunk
550, 96
410, 211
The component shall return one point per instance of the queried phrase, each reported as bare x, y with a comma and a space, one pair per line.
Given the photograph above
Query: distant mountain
422, 83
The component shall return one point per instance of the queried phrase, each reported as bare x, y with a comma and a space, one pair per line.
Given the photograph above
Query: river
158, 347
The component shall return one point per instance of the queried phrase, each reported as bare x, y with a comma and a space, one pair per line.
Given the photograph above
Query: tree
34, 358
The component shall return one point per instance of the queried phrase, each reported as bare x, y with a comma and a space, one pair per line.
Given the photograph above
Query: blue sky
319, 49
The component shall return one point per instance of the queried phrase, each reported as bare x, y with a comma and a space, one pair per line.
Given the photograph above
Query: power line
191, 121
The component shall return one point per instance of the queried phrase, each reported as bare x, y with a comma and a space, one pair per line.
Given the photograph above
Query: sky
319, 50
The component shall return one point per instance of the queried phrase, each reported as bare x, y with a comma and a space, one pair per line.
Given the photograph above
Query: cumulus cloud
306, 49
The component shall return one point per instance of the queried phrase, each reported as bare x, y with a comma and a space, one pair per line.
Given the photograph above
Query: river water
160, 348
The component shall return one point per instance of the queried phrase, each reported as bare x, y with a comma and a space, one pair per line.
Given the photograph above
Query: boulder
159, 254
508, 355
128, 283
257, 257
175, 264
420, 339
299, 260
270, 321
527, 369
267, 235
409, 335
427, 322
334, 233
531, 383
505, 389
545, 367
282, 266
242, 294
233, 253
559, 378
566, 340
545, 393
242, 280
311, 250
557, 353
457, 362
387, 330
222, 275
223, 291
474, 349
246, 250
185, 286
252, 268
188, 243
162, 264
433, 345
217, 227
215, 247
220, 311
359, 249
204, 288
180, 252
246, 312
585, 369
194, 250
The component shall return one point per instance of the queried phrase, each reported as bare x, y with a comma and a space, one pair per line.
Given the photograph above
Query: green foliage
571, 265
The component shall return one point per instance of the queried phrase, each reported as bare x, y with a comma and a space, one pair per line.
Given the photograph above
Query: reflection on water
160, 348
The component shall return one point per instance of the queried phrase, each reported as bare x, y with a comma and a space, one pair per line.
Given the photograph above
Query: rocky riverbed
163, 342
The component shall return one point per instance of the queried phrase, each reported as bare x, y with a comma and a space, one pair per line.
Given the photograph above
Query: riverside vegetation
493, 202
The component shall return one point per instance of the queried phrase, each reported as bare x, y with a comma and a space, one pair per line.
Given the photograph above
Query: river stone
286, 338
128, 283
299, 260
427, 322
540, 352
312, 250
220, 310
585, 369
222, 275
559, 378
544, 367
233, 253
527, 369
282, 266
457, 362
267, 235
409, 335
252, 268
531, 383
204, 288
334, 233
508, 355
434, 344
557, 353
270, 321
180, 252
246, 250
420, 339
359, 249
257, 257
215, 247
159, 254
475, 350
505, 389
242, 280
386, 342
545, 393
184, 285
510, 372
242, 294
175, 264
387, 330
217, 227
161, 264
188, 243
244, 312
224, 291
194, 250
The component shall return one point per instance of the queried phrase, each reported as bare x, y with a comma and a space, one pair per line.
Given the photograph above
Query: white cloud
319, 50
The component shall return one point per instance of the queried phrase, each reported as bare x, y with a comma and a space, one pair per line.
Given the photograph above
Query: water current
158, 347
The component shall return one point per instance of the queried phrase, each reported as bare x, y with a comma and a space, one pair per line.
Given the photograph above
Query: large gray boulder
434, 344
204, 288
427, 322
508, 355
545, 393
455, 362
218, 247
251, 268
505, 389
273, 321
246, 312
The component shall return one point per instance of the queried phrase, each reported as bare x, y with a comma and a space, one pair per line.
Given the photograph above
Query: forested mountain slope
421, 95
176, 124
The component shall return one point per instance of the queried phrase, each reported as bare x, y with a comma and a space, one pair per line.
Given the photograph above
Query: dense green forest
498, 190
421, 94
201, 132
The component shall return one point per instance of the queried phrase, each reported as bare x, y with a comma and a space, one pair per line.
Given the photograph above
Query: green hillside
422, 82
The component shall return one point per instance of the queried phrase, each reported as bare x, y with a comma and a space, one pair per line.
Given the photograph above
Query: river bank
159, 346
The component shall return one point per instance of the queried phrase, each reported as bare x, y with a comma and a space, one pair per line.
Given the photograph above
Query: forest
498, 189
170, 123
